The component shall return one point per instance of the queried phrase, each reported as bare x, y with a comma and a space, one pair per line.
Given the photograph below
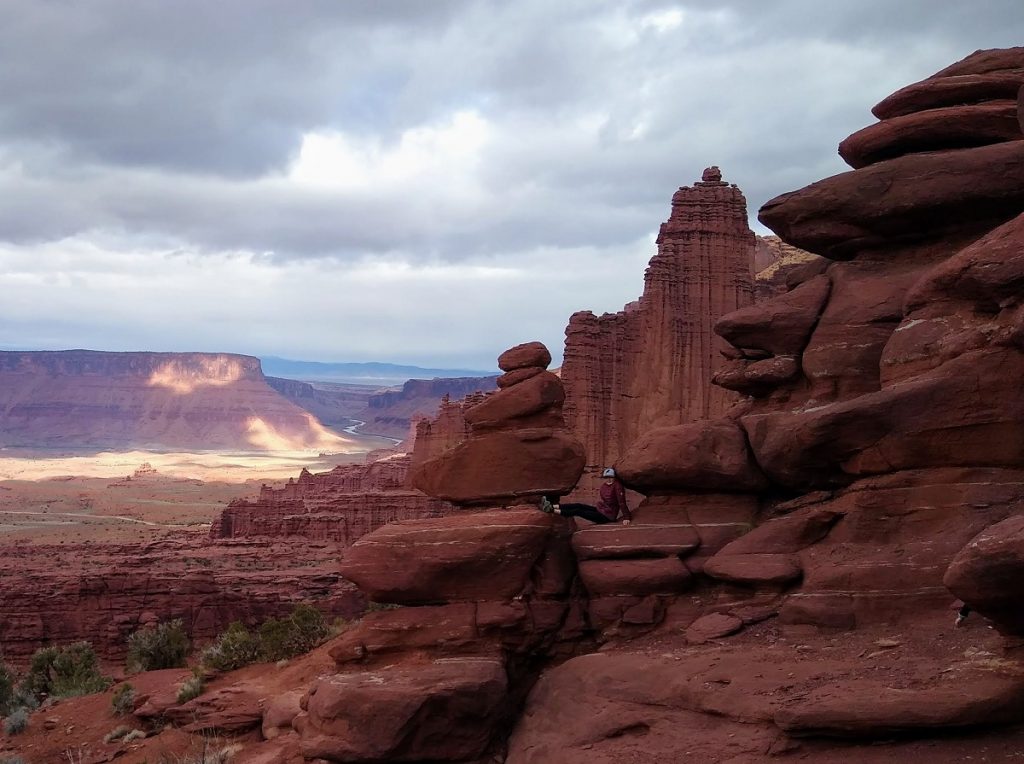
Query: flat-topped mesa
87, 398
517, 443
651, 363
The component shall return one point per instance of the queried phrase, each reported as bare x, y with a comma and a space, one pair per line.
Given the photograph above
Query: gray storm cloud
537, 142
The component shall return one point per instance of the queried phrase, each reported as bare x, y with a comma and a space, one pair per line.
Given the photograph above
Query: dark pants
586, 511
964, 611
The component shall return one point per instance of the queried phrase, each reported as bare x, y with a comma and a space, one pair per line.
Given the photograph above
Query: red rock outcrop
340, 506
883, 390
486, 593
199, 401
986, 574
651, 363
443, 710
517, 444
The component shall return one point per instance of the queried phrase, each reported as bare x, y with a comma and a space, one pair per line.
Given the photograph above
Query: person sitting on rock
611, 503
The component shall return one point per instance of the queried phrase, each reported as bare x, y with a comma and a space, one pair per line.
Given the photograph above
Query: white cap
608, 472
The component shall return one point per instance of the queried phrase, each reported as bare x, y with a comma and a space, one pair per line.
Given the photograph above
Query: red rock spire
651, 363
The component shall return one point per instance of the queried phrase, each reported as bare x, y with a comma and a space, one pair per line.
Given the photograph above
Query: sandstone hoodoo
651, 364
197, 401
517, 444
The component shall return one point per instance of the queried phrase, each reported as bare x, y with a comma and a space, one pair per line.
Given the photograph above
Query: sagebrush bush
162, 646
300, 632
12, 760
192, 688
16, 722
123, 702
64, 672
117, 733
235, 648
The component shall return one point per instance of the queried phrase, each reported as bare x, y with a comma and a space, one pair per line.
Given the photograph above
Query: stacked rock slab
651, 363
483, 593
517, 446
883, 397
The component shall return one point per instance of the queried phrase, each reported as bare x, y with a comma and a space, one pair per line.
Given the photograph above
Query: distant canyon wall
56, 594
189, 401
338, 506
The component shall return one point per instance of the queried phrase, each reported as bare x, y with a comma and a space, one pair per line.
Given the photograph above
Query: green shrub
16, 722
12, 760
123, 702
6, 690
235, 648
192, 688
134, 735
299, 633
64, 672
158, 647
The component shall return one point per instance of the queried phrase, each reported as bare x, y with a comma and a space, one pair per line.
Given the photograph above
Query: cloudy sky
415, 181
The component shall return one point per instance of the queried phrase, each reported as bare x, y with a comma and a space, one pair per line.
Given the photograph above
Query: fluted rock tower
651, 363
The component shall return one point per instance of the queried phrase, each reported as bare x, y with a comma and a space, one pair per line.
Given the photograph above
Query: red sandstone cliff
84, 398
651, 363
102, 593
341, 505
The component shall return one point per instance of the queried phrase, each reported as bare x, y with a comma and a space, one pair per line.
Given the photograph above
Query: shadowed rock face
891, 379
198, 401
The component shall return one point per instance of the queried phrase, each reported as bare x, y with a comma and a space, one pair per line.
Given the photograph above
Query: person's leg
962, 614
586, 511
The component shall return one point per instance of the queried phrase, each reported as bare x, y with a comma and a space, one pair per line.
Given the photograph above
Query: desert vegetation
63, 672
275, 639
123, 702
163, 646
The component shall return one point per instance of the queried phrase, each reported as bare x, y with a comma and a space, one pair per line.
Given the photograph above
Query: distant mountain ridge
373, 372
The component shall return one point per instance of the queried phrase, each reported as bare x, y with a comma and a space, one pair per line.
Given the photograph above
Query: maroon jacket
612, 501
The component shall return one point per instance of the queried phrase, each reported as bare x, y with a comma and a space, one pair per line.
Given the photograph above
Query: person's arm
620, 495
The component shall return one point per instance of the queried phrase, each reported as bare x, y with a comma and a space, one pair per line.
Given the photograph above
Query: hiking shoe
545, 506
